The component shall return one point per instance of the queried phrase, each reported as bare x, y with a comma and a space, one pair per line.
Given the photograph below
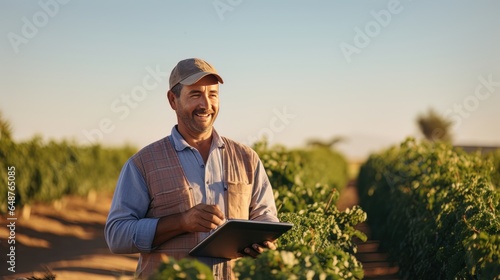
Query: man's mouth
202, 115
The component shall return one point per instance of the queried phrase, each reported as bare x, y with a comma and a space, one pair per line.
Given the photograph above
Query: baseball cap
191, 70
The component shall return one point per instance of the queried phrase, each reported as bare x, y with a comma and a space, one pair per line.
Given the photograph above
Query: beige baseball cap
191, 70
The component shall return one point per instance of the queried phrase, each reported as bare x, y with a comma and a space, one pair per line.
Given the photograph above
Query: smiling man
173, 192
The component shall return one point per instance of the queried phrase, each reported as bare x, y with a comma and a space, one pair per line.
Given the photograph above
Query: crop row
436, 209
46, 171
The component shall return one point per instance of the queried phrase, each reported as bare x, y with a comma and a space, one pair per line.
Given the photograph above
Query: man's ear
172, 100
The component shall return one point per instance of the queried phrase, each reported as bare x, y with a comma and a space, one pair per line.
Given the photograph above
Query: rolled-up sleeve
263, 206
127, 229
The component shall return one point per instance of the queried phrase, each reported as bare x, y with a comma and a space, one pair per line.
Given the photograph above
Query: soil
67, 239
375, 260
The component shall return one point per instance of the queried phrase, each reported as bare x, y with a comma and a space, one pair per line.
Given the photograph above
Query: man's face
197, 106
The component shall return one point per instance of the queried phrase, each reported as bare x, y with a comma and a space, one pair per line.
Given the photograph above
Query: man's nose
204, 101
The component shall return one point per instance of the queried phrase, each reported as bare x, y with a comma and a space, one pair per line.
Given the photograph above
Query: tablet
229, 239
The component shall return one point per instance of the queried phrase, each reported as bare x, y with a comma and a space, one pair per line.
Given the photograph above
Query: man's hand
202, 218
255, 250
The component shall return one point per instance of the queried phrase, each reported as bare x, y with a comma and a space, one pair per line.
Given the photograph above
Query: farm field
67, 237
64, 189
68, 189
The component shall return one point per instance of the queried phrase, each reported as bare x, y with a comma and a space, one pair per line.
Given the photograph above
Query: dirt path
375, 261
67, 238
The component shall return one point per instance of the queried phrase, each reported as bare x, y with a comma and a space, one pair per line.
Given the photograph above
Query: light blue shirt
128, 230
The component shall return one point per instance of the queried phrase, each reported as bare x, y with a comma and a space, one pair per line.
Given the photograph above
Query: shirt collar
180, 143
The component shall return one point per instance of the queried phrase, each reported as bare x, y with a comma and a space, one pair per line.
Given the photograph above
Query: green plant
302, 177
322, 165
46, 171
319, 246
187, 269
495, 175
435, 210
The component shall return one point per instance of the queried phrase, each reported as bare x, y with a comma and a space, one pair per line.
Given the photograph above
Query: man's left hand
256, 249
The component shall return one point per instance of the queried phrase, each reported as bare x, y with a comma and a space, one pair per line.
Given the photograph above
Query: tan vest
171, 193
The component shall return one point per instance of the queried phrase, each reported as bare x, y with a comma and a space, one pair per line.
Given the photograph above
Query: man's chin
204, 129
205, 125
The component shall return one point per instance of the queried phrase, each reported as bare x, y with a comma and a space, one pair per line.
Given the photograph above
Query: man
173, 192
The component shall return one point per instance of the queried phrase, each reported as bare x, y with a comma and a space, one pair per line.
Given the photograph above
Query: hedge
495, 176
435, 210
301, 177
47, 170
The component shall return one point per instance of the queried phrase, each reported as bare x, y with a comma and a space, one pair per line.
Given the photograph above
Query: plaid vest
171, 193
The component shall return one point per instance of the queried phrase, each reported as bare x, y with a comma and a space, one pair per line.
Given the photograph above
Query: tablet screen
232, 237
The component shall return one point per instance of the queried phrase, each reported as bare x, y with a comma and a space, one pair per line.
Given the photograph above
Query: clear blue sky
294, 70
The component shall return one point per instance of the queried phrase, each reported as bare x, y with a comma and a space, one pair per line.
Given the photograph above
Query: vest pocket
171, 202
239, 195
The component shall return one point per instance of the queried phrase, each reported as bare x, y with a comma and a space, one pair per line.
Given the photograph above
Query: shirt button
202, 166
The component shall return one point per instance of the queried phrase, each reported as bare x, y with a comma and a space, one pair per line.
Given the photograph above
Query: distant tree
325, 144
434, 126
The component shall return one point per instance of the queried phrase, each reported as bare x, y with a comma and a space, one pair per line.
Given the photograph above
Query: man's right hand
202, 218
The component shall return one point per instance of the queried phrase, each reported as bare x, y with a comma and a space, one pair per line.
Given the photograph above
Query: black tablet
229, 239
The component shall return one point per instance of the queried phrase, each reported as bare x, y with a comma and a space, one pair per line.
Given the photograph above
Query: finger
202, 218
216, 217
214, 210
250, 252
259, 249
211, 220
207, 225
270, 245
